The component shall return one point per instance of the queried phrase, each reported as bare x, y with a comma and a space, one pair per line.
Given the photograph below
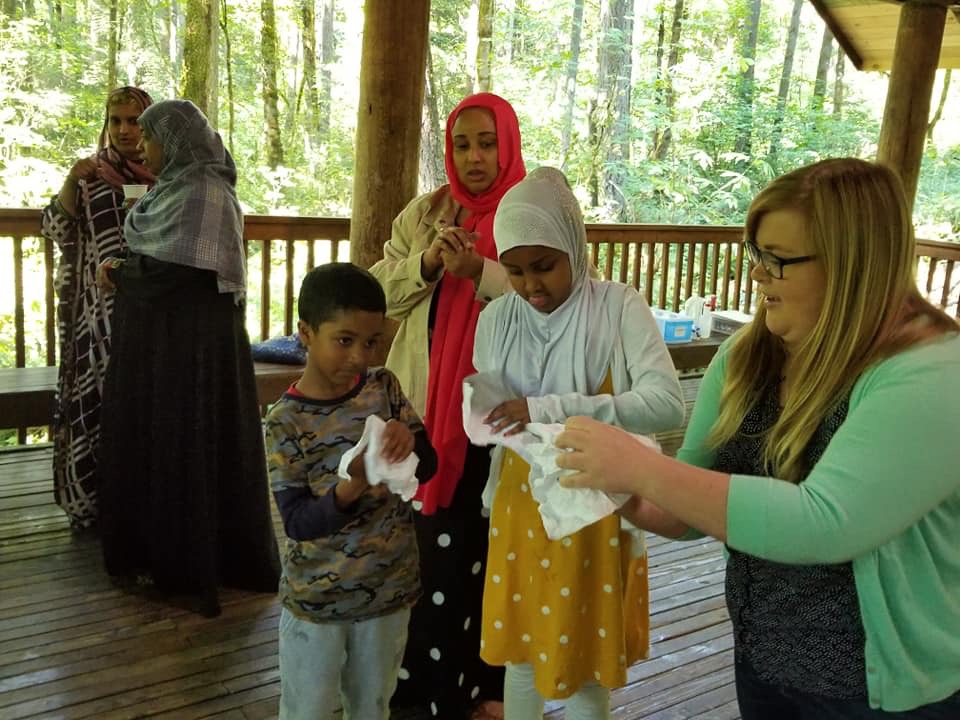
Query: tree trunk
388, 120
213, 68
195, 78
784, 90
838, 85
312, 101
172, 22
594, 133
271, 114
943, 101
225, 29
10, 8
570, 85
113, 44
485, 12
823, 65
432, 136
613, 98
748, 55
658, 102
328, 56
516, 29
669, 96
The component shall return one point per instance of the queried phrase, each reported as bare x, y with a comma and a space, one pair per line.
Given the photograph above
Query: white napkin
563, 510
398, 477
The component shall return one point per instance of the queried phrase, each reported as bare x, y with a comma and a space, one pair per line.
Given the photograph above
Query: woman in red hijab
439, 268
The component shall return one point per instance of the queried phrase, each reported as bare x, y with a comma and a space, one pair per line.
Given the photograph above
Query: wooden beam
838, 32
907, 108
387, 148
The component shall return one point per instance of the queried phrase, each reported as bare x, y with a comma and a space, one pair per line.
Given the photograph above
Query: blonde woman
822, 450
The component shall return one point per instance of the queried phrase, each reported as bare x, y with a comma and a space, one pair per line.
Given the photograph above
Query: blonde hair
859, 227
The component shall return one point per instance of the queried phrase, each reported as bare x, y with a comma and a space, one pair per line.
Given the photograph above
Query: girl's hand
604, 457
397, 442
512, 412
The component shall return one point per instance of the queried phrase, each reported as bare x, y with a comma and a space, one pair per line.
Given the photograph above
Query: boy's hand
347, 492
397, 442
515, 413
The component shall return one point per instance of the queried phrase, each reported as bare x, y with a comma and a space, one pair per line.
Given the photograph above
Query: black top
798, 626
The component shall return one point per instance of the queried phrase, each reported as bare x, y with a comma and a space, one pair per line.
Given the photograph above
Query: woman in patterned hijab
183, 481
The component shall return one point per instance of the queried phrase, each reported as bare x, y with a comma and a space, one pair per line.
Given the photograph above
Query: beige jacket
409, 295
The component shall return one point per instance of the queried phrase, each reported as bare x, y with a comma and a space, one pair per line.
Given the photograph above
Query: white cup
134, 192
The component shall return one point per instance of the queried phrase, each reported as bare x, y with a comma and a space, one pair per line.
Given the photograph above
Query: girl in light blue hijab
566, 617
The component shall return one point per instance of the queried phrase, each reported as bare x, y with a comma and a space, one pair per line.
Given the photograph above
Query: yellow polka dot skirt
576, 609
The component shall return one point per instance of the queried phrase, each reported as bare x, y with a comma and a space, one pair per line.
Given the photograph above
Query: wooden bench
26, 394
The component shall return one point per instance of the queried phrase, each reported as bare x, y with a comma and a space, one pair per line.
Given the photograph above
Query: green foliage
52, 87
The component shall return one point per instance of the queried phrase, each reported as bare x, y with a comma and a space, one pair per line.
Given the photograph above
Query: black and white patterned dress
83, 321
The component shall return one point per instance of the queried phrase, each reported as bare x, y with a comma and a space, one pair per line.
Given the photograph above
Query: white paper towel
398, 477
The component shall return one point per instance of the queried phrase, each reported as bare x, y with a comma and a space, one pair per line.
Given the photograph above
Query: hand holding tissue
563, 510
399, 477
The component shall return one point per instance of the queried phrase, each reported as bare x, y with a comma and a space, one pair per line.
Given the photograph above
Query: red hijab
451, 349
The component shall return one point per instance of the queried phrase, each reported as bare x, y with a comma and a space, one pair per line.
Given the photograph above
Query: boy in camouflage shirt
350, 565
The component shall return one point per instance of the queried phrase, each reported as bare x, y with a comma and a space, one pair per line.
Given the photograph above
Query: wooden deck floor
74, 646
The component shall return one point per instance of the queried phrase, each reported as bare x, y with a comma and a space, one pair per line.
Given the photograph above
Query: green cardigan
886, 496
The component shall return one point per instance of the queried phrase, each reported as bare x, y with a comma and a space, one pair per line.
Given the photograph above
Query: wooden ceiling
867, 30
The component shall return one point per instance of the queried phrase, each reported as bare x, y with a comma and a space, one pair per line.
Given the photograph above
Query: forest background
659, 111
673, 111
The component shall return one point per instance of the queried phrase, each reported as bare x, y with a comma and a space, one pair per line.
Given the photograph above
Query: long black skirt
183, 487
442, 671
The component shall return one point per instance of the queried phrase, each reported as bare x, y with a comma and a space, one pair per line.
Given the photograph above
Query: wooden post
392, 68
907, 109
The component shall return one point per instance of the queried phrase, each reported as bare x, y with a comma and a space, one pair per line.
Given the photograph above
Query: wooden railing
667, 262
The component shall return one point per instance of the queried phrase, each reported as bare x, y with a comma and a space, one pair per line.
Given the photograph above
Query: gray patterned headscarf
191, 216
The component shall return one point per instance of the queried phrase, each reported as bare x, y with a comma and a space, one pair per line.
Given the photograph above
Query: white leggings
521, 701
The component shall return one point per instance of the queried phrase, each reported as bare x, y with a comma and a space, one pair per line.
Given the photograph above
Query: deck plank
74, 646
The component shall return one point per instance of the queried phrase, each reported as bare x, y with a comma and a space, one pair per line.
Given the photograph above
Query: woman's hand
512, 412
647, 516
604, 457
397, 442
103, 277
84, 169
608, 458
453, 249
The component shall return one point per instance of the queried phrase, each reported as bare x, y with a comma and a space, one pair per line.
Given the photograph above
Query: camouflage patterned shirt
342, 565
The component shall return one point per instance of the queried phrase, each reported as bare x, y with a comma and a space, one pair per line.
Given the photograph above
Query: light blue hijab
570, 349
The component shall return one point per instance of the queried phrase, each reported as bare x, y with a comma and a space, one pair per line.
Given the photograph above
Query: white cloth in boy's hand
398, 477
563, 510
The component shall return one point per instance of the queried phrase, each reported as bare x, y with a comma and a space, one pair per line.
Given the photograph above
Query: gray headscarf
569, 349
191, 216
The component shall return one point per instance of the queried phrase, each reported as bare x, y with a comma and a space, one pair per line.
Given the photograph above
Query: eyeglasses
773, 264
